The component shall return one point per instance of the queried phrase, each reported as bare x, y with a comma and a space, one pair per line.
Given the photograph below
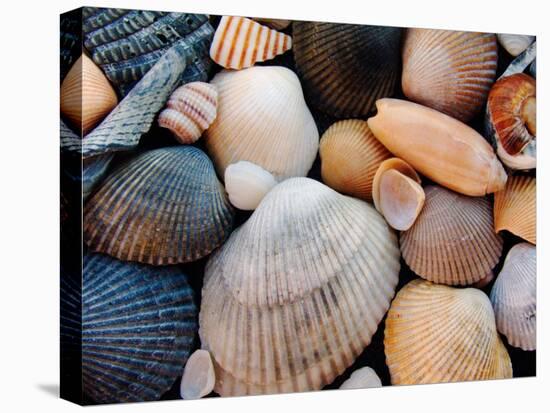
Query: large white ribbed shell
296, 293
262, 118
437, 334
514, 297
452, 241
240, 42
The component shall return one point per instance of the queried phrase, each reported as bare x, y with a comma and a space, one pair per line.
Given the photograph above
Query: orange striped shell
449, 71
516, 207
240, 42
190, 110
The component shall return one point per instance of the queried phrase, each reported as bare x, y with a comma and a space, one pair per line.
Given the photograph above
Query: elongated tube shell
514, 297
296, 293
515, 208
438, 334
452, 241
240, 42
449, 71
350, 156
262, 118
438, 146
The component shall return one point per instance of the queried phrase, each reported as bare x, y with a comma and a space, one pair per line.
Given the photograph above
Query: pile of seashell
273, 206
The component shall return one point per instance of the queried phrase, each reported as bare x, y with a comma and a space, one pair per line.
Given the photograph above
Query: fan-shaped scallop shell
262, 112
449, 71
515, 44
437, 334
86, 95
515, 208
190, 110
240, 42
165, 206
345, 68
126, 44
511, 120
362, 378
514, 297
296, 293
138, 327
452, 241
134, 115
350, 155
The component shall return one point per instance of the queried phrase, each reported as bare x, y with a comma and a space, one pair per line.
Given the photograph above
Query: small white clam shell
362, 378
515, 44
198, 376
246, 184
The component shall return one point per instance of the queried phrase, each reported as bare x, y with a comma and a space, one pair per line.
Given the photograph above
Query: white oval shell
296, 293
514, 297
515, 44
198, 376
247, 184
362, 378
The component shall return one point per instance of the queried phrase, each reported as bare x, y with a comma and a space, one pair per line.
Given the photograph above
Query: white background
29, 211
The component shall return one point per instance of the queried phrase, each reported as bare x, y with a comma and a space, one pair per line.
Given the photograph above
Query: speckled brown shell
453, 240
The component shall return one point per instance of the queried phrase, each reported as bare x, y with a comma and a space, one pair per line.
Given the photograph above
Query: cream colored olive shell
247, 184
442, 148
240, 42
452, 241
515, 207
296, 293
198, 376
86, 95
190, 110
437, 334
515, 44
362, 378
391, 163
449, 71
350, 156
514, 297
262, 118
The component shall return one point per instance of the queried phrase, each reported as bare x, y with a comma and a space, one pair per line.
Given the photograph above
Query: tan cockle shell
198, 376
240, 42
442, 148
350, 156
262, 112
190, 110
515, 44
296, 293
514, 297
247, 184
515, 207
86, 95
452, 241
362, 378
437, 334
449, 71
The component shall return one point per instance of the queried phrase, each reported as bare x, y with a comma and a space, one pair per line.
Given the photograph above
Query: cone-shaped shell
296, 293
198, 377
438, 334
515, 44
350, 156
138, 327
452, 241
449, 71
190, 110
277, 24
514, 297
262, 118
515, 208
165, 206
240, 42
392, 163
345, 68
133, 117
438, 146
126, 44
86, 95
511, 120
362, 378
247, 184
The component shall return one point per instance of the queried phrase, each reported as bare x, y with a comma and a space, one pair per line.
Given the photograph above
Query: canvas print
260, 206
